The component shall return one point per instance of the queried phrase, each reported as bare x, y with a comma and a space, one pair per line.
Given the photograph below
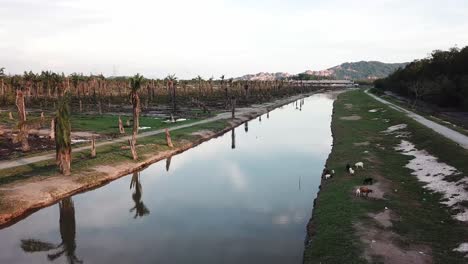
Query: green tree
135, 85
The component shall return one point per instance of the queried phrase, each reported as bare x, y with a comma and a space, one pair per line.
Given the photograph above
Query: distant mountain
364, 70
361, 70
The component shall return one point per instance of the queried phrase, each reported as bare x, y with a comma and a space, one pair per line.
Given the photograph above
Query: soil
351, 118
383, 246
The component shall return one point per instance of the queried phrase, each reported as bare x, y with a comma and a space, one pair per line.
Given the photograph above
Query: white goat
327, 176
351, 171
359, 165
358, 192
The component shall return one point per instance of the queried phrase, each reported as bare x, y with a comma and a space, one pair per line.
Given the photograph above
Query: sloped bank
407, 222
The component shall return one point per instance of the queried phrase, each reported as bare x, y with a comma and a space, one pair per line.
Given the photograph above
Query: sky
221, 37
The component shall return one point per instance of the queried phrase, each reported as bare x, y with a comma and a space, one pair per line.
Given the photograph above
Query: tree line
440, 79
66, 95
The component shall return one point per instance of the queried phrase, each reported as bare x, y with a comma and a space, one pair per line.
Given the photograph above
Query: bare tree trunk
93, 147
168, 139
81, 107
52, 129
23, 134
136, 124
10, 116
121, 128
233, 107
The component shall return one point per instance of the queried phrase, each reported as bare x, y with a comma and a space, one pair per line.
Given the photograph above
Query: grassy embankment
110, 154
105, 125
420, 218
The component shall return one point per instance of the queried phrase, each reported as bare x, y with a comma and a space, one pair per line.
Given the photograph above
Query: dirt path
453, 135
255, 108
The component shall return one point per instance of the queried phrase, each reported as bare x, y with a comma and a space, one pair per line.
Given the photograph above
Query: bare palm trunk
168, 139
136, 123
23, 134
93, 147
121, 128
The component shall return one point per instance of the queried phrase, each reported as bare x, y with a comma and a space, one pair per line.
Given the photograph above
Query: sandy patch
359, 144
382, 247
432, 172
383, 218
351, 118
395, 128
203, 133
373, 110
348, 106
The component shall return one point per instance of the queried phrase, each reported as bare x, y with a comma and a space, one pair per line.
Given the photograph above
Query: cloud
210, 37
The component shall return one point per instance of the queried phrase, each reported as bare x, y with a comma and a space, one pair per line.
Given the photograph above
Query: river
244, 197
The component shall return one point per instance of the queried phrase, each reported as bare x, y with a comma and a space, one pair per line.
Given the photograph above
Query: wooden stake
93, 147
168, 139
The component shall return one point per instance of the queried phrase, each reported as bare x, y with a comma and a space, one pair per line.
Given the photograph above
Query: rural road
453, 135
226, 115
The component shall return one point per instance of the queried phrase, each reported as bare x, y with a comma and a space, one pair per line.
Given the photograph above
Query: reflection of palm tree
168, 163
67, 233
139, 208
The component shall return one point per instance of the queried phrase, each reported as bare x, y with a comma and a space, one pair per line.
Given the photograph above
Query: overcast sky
215, 37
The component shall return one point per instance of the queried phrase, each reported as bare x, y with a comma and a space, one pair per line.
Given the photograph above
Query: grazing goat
358, 192
359, 165
327, 176
351, 171
368, 181
365, 190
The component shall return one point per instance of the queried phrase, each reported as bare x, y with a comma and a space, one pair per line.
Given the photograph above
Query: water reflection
140, 209
246, 205
168, 163
233, 139
67, 233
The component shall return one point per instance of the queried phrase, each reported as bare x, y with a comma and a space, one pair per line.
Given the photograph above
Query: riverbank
31, 187
417, 212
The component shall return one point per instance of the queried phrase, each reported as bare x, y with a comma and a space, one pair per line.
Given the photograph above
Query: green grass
423, 220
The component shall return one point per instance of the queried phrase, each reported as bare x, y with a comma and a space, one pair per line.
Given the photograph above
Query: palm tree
135, 85
63, 131
139, 208
171, 85
200, 80
67, 233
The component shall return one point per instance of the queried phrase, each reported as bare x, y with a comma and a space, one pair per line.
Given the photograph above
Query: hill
361, 70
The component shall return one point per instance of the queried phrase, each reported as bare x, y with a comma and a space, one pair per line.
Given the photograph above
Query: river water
245, 197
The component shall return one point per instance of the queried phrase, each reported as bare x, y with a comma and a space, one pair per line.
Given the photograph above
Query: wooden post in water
246, 126
233, 139
93, 147
233, 106
168, 139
